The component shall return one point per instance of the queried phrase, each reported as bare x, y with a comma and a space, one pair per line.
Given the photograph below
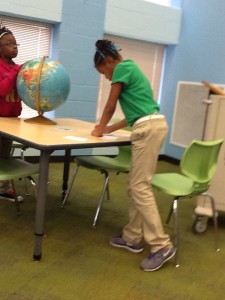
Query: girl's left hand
97, 131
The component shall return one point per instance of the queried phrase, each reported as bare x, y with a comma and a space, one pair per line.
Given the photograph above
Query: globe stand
40, 120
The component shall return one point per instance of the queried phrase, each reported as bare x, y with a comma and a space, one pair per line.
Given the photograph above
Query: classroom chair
197, 166
22, 148
16, 168
105, 165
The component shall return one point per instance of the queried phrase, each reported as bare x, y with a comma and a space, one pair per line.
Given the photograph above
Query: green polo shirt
136, 98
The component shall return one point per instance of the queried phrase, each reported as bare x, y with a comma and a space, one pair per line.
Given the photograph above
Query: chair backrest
124, 156
122, 161
199, 162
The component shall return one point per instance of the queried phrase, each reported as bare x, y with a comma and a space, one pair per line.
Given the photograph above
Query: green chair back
199, 163
120, 163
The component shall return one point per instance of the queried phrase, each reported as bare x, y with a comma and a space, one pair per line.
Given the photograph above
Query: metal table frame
48, 136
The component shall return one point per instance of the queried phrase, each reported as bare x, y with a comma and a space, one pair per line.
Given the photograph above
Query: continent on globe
43, 84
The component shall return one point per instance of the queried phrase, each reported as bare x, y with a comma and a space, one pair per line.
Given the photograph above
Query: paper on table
75, 138
114, 136
108, 137
122, 134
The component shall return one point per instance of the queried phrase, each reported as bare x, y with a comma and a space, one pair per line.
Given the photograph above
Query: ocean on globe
43, 84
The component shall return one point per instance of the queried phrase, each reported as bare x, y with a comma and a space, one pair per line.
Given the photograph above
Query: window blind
34, 39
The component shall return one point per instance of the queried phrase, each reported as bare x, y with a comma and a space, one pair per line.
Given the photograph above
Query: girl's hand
97, 131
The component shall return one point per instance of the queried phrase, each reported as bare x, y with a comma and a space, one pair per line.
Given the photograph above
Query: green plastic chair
197, 167
14, 168
22, 148
105, 165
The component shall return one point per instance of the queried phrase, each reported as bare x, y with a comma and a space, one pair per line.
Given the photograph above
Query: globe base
41, 120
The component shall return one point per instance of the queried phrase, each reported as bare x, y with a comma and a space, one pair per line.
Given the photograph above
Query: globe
43, 84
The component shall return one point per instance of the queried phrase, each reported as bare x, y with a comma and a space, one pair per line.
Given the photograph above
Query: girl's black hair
105, 48
4, 30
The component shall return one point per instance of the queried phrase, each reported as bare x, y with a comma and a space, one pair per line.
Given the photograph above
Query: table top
58, 133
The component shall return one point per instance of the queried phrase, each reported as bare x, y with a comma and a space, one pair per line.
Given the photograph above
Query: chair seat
104, 162
13, 168
173, 184
105, 165
17, 145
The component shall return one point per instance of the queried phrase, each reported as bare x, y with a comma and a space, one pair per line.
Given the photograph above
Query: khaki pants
144, 220
5, 149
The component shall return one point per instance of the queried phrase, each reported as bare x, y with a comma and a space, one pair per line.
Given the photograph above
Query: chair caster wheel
200, 225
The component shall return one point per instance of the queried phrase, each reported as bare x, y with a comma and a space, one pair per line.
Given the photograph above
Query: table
48, 136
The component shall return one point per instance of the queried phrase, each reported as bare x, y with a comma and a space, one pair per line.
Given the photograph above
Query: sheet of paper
109, 137
75, 138
122, 134
114, 136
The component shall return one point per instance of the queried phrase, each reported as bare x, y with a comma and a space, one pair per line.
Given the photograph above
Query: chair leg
22, 153
26, 186
12, 151
101, 197
22, 150
215, 221
33, 184
176, 230
70, 186
107, 185
107, 190
169, 215
18, 211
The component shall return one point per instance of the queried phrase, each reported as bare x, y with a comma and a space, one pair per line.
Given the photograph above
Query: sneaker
155, 260
10, 197
119, 242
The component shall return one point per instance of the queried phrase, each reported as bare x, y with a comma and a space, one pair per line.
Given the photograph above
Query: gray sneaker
155, 260
119, 242
10, 197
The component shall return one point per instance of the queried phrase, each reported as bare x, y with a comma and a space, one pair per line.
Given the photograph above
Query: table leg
41, 203
66, 172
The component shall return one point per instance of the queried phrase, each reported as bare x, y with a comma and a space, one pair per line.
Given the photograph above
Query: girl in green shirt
149, 129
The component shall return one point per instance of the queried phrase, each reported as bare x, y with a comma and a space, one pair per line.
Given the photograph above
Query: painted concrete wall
143, 20
76, 27
200, 55
41, 10
74, 46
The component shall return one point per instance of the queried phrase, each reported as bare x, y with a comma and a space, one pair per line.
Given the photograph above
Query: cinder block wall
76, 27
74, 46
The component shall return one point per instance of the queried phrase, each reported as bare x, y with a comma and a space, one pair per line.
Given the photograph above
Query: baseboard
169, 159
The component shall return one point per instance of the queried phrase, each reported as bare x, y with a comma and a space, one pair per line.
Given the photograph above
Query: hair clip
114, 48
117, 47
3, 34
101, 53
